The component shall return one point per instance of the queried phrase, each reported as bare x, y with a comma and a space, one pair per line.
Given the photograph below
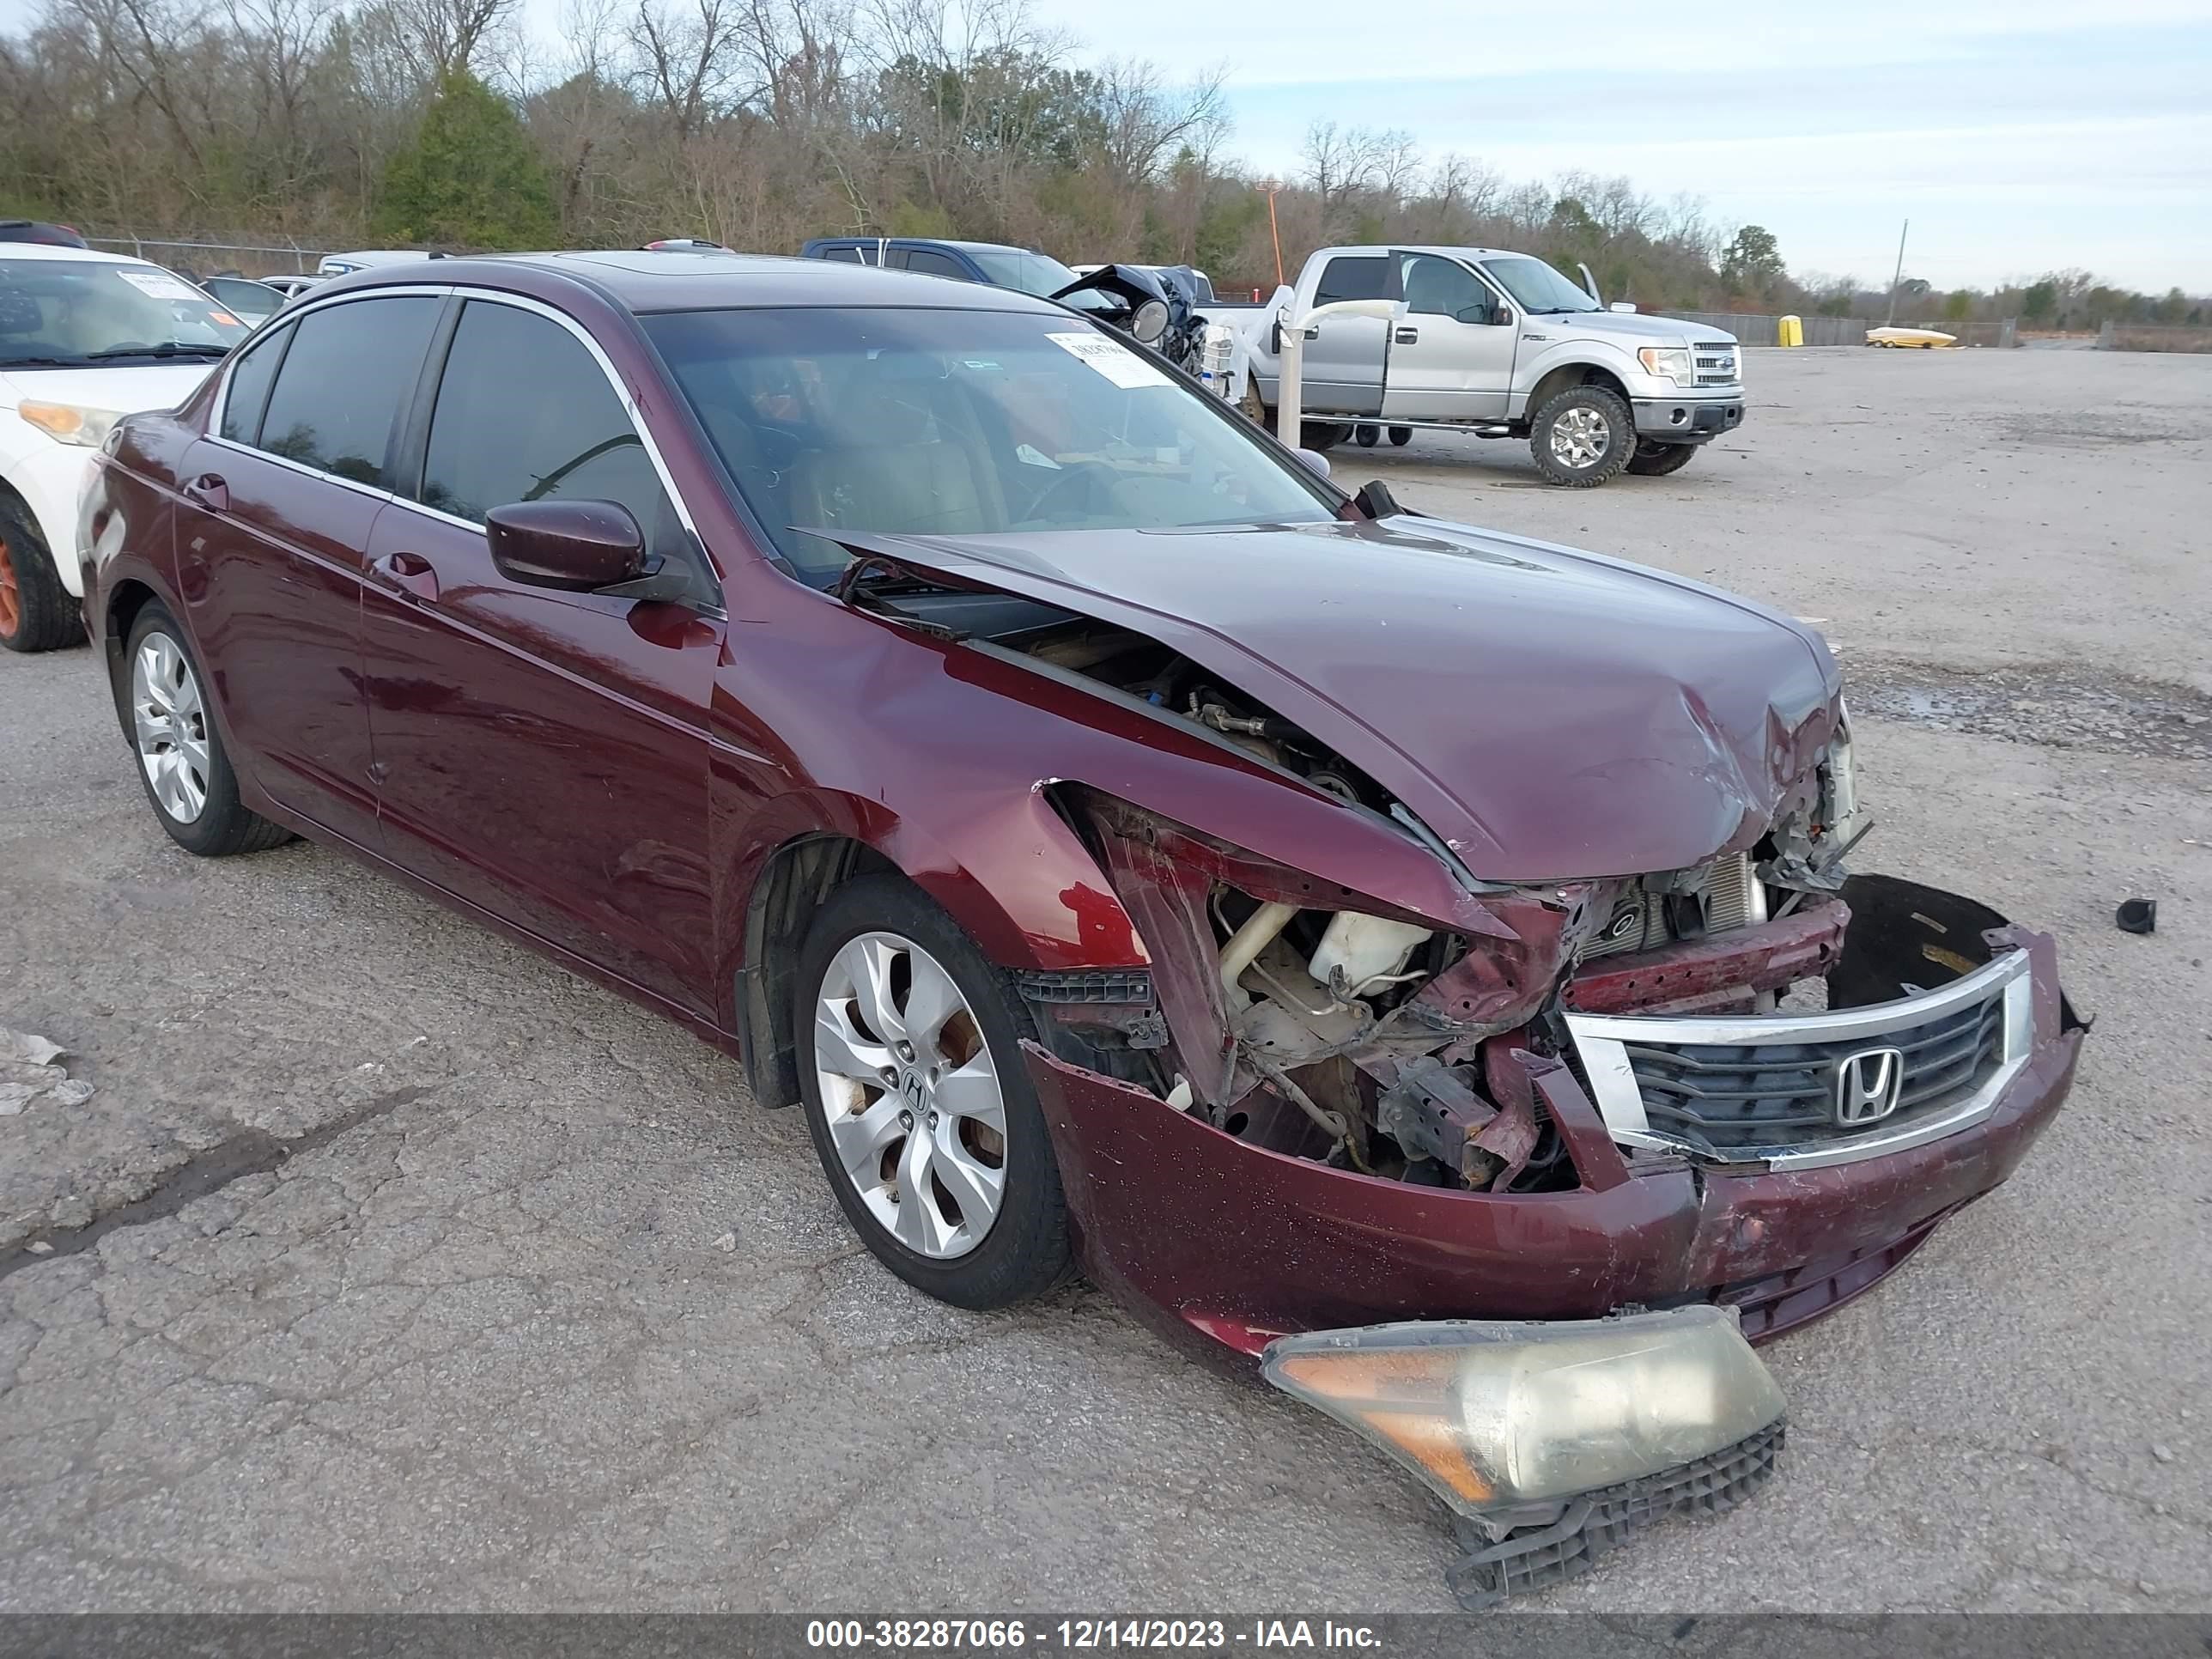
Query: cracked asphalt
386, 1267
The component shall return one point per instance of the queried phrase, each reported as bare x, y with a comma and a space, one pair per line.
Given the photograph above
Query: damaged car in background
1430, 966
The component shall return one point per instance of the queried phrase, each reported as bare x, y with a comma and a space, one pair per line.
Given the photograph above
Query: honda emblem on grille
1868, 1085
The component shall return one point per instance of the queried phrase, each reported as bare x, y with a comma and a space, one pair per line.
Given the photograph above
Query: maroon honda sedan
1418, 959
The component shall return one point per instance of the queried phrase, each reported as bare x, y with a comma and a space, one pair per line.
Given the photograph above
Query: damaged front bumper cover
1234, 1248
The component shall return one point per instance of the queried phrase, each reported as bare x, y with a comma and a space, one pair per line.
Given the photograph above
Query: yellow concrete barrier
1792, 330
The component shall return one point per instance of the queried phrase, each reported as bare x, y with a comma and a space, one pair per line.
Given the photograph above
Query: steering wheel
1089, 473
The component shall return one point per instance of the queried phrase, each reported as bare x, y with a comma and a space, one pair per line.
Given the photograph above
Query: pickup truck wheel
1319, 435
1653, 460
1367, 437
1582, 436
36, 612
1401, 436
919, 1099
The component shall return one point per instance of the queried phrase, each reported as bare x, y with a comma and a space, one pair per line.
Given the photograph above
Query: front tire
36, 612
186, 775
919, 1099
1581, 437
1653, 460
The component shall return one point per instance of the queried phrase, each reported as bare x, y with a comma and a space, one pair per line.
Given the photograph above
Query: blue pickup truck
992, 263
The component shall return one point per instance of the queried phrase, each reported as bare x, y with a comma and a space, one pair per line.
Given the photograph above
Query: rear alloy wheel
920, 1102
36, 612
1582, 436
181, 762
1656, 460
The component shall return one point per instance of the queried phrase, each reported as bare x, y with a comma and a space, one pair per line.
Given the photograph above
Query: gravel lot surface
394, 1267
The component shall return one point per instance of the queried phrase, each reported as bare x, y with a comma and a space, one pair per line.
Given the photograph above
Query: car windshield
960, 422
1537, 286
86, 311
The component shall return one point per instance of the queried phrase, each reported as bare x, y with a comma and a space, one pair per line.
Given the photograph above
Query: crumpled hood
1549, 713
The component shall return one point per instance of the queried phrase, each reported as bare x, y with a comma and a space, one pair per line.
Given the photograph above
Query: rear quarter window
247, 394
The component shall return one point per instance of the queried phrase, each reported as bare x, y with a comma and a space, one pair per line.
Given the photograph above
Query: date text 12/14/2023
1083, 1635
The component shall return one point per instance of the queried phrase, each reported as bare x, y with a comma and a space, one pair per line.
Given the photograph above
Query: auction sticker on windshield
160, 285
1117, 364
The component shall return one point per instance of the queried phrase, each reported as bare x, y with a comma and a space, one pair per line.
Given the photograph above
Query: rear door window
338, 392
525, 413
931, 262
1365, 277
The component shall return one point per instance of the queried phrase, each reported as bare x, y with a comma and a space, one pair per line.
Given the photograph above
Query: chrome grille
1716, 364
1768, 1088
1730, 1096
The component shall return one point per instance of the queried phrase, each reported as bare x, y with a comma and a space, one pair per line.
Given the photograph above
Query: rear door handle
409, 572
1409, 336
210, 491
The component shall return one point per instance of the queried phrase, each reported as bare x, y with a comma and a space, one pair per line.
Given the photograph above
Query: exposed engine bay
1304, 1020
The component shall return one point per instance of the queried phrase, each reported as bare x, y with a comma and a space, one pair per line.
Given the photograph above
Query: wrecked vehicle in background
1417, 960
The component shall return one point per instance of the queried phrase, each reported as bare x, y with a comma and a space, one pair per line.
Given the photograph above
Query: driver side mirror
1313, 460
577, 546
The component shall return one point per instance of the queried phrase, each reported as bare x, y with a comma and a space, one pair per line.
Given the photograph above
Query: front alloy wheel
910, 1096
919, 1099
1582, 436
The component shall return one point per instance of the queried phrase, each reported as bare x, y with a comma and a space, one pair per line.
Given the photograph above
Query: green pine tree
468, 179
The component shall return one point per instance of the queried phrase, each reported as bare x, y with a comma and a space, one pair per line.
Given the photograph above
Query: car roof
679, 279
50, 251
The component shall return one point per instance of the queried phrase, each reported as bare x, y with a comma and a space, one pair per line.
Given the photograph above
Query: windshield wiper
166, 348
39, 362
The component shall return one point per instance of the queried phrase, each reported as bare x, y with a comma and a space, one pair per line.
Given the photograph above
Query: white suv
85, 338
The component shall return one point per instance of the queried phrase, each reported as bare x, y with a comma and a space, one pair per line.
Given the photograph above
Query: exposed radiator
1733, 899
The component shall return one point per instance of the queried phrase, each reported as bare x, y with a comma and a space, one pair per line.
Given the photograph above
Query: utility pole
1899, 275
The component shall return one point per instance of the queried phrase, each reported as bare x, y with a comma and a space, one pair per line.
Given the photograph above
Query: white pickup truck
1492, 344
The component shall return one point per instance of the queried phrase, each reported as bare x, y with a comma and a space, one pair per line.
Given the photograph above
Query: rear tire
1367, 437
1656, 460
901, 1124
179, 752
36, 612
1321, 436
1401, 436
1581, 437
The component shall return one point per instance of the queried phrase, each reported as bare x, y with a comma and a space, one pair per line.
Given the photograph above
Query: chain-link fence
213, 258
1753, 328
2154, 336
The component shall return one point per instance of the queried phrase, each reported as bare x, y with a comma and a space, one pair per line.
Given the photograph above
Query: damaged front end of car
1506, 1173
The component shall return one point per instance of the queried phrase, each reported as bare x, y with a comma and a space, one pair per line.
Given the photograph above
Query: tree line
757, 124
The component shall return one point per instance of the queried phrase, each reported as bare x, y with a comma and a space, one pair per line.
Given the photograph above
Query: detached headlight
1493, 1415
71, 423
1668, 363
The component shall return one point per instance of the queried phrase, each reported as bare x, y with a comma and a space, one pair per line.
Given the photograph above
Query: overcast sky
2015, 135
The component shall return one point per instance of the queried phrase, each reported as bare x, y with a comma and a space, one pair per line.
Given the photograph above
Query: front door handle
1409, 336
210, 491
409, 572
